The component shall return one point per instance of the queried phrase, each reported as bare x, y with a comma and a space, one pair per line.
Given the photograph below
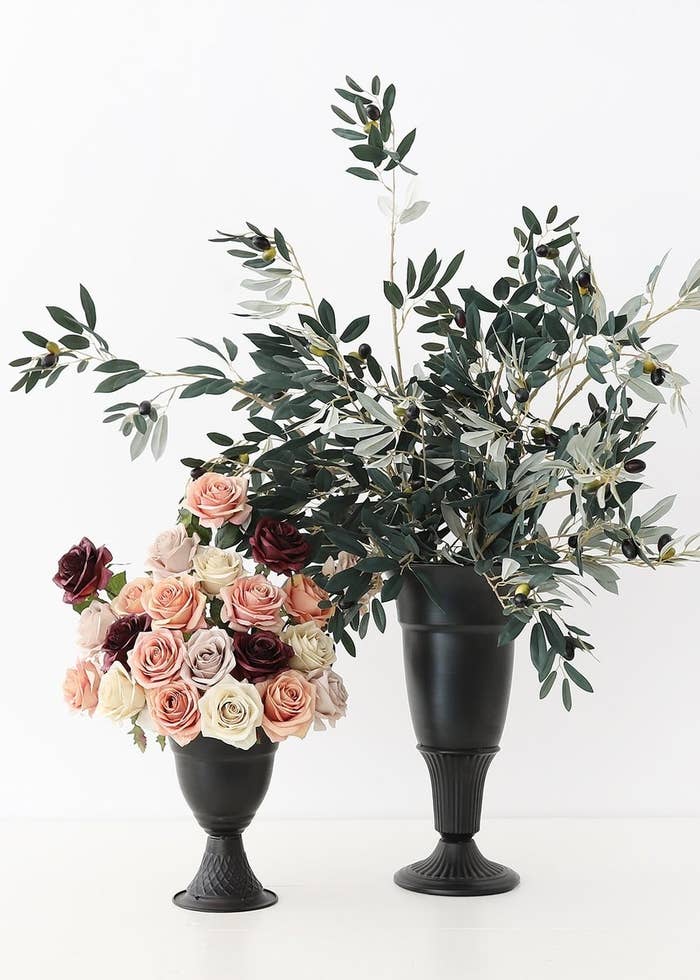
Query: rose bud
121, 637
279, 546
83, 571
259, 654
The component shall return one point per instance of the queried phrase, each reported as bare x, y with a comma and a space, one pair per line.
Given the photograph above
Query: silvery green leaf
600, 310
691, 301
376, 410
452, 520
413, 211
384, 203
475, 439
529, 464
648, 392
606, 577
159, 438
278, 293
259, 284
663, 351
651, 284
508, 567
139, 442
373, 445
692, 280
632, 307
358, 430
497, 449
260, 306
658, 511
652, 534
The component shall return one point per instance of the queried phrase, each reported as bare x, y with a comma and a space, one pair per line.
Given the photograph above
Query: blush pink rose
289, 704
252, 601
331, 698
157, 657
301, 599
130, 597
174, 710
81, 685
217, 499
175, 603
93, 624
172, 552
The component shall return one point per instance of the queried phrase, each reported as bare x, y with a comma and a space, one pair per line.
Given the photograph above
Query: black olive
309, 471
583, 281
417, 484
570, 645
520, 600
412, 411
572, 542
197, 472
635, 466
516, 435
48, 360
551, 440
522, 395
145, 408
663, 541
373, 112
541, 251
261, 243
658, 376
460, 318
630, 549
364, 350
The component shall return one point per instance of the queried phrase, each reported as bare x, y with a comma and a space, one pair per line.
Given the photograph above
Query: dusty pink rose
93, 624
289, 703
216, 499
174, 710
157, 657
331, 698
81, 685
301, 599
130, 598
172, 552
252, 601
208, 657
175, 603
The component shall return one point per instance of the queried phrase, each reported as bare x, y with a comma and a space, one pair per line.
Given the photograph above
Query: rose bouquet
199, 645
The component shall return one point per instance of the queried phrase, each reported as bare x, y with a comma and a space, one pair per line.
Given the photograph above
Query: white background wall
131, 132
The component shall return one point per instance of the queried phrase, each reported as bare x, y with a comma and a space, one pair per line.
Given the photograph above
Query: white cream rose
94, 622
172, 552
231, 711
119, 696
312, 647
216, 568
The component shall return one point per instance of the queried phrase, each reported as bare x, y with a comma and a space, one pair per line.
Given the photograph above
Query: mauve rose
259, 654
81, 686
157, 657
208, 657
252, 601
216, 499
279, 545
93, 624
82, 571
174, 710
331, 698
301, 599
121, 637
130, 597
289, 703
172, 552
175, 603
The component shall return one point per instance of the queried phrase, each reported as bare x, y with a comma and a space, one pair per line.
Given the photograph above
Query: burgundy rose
279, 545
259, 654
121, 637
83, 571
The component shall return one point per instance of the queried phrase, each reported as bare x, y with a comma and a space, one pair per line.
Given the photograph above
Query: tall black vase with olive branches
458, 682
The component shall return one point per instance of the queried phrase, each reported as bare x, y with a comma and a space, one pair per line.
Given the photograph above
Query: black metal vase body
224, 786
458, 682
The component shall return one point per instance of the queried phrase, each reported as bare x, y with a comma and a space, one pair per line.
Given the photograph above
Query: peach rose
331, 698
289, 703
301, 599
174, 710
130, 597
172, 552
216, 499
157, 657
81, 685
94, 622
252, 601
175, 603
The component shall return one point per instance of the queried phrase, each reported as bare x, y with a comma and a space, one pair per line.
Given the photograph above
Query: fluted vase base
457, 868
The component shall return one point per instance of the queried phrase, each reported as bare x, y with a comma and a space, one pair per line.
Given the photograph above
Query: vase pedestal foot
457, 867
225, 881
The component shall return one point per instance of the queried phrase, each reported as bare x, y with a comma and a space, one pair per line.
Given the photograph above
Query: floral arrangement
198, 645
534, 397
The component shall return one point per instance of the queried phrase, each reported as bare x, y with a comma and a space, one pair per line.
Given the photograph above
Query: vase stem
225, 881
